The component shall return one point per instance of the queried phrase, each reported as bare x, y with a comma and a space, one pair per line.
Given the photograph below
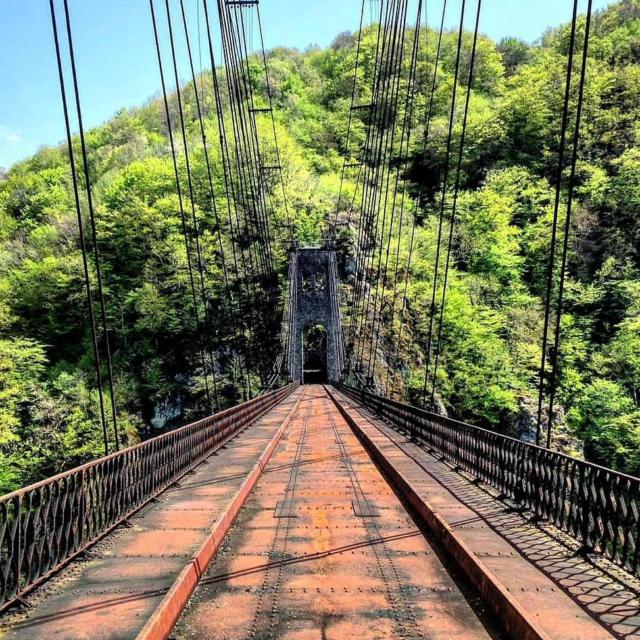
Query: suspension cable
92, 220
403, 157
231, 201
242, 176
567, 223
374, 231
354, 92
360, 257
377, 163
214, 208
273, 120
83, 244
391, 124
183, 215
238, 182
236, 21
245, 135
445, 186
194, 218
554, 228
455, 202
258, 166
419, 199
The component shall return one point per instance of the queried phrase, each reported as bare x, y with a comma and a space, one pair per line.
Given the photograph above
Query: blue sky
116, 58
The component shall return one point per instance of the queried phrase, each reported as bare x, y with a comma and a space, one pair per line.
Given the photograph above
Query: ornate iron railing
46, 525
597, 506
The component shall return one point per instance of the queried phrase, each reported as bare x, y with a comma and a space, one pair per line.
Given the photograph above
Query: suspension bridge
324, 505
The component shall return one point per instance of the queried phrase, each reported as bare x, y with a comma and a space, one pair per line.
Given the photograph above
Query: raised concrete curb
164, 618
512, 615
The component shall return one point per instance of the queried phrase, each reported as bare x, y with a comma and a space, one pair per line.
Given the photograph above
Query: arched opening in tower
314, 350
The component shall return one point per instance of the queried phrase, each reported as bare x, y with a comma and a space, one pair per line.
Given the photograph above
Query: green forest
493, 319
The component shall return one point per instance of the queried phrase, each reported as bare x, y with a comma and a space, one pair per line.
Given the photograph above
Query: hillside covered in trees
494, 315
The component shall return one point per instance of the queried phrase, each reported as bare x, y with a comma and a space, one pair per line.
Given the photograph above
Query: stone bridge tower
315, 349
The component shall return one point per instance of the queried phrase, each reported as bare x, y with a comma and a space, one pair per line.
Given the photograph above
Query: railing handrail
597, 506
453, 422
203, 422
47, 524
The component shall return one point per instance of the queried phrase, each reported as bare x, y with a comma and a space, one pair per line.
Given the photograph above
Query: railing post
636, 555
17, 548
583, 505
413, 429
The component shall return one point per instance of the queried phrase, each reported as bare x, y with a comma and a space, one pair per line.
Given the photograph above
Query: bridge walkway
325, 549
310, 539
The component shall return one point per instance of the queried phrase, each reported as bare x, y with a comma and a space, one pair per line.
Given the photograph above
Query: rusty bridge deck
320, 521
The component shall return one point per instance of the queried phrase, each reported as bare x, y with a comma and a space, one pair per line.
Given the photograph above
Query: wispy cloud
9, 135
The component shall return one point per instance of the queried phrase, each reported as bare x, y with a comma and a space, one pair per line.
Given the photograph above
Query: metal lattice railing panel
599, 507
44, 526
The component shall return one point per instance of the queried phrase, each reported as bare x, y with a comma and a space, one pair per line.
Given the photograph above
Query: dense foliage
493, 318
